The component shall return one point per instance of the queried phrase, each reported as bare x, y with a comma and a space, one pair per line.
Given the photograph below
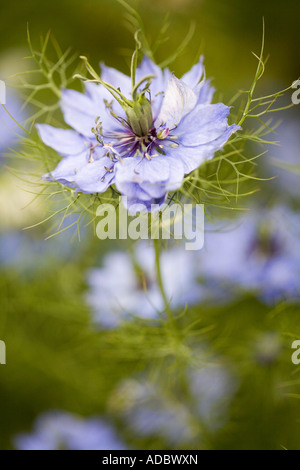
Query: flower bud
139, 116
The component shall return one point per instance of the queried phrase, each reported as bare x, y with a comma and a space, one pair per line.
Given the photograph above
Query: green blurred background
55, 359
226, 32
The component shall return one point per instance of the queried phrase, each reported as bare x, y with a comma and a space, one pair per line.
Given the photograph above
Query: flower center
139, 138
129, 144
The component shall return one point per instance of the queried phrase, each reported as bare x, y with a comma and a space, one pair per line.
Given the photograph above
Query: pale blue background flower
150, 408
116, 290
64, 431
187, 130
28, 253
260, 253
286, 153
9, 131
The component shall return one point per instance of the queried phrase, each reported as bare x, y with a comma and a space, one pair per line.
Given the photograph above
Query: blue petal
94, 177
155, 191
204, 124
64, 141
202, 88
179, 100
117, 79
177, 172
79, 111
144, 192
88, 177
159, 83
135, 205
140, 170
98, 94
205, 92
67, 169
193, 157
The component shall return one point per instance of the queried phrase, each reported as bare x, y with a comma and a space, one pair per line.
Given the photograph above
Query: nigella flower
143, 138
127, 286
261, 254
64, 431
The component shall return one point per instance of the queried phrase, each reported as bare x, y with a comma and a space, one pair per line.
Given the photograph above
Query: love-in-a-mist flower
143, 134
63, 431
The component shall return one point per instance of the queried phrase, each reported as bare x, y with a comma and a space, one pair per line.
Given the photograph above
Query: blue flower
145, 146
63, 431
261, 254
125, 287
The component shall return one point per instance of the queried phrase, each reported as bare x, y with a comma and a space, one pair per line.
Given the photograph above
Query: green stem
160, 281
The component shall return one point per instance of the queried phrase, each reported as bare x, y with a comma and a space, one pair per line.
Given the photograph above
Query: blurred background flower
63, 431
126, 285
9, 131
285, 158
260, 253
